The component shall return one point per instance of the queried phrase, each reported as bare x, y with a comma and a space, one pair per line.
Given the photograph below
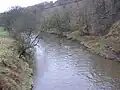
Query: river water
64, 65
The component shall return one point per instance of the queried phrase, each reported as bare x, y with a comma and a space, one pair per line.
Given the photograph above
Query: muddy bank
15, 73
107, 46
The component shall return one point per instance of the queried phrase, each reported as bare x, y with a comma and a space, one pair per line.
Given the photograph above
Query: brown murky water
64, 65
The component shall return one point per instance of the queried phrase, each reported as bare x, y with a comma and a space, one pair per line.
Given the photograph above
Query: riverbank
15, 73
107, 46
70, 67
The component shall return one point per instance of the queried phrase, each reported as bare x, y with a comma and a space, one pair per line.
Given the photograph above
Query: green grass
3, 32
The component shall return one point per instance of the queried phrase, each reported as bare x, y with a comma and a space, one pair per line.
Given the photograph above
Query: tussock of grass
114, 36
15, 74
3, 32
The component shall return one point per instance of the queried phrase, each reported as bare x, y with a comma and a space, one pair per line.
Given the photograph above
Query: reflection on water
63, 65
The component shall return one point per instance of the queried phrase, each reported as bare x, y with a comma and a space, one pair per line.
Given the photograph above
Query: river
62, 64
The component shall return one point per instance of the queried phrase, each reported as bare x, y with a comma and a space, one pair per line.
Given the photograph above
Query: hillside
98, 15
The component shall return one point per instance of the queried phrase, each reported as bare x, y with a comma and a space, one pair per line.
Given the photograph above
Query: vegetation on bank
3, 32
107, 46
16, 44
15, 73
21, 26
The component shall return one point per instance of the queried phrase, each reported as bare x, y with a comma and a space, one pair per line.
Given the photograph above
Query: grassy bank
107, 46
15, 74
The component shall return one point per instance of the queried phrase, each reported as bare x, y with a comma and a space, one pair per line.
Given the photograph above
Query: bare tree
21, 25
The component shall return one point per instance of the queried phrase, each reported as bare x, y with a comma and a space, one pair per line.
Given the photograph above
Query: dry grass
114, 36
15, 74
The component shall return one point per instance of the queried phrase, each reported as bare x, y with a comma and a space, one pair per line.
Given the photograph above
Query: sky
6, 4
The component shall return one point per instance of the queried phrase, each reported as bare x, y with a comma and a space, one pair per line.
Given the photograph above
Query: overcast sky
6, 4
